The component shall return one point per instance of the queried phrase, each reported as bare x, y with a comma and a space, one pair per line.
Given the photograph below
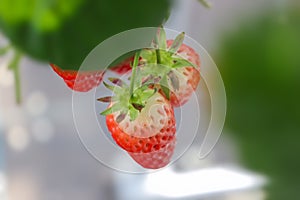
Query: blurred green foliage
65, 31
260, 65
44, 15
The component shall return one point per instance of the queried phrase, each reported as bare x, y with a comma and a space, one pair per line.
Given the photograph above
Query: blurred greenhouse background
256, 46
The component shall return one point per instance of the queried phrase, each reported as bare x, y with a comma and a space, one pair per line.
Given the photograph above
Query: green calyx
124, 102
128, 99
161, 61
164, 55
153, 69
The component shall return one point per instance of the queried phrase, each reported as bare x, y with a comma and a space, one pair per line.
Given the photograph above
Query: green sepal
111, 87
177, 43
180, 62
142, 94
148, 55
133, 113
135, 98
150, 69
114, 108
147, 94
164, 86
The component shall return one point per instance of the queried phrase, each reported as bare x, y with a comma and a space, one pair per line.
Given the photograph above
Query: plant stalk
14, 66
158, 58
134, 68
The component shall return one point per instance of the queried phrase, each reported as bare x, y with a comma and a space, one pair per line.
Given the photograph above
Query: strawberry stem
158, 58
134, 65
14, 66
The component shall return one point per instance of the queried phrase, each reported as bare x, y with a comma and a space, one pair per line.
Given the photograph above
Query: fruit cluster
140, 115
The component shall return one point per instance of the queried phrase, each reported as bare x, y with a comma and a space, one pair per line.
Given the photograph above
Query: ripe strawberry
188, 76
155, 159
175, 65
153, 128
85, 81
141, 120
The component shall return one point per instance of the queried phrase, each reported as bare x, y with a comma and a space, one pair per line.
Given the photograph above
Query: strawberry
140, 117
141, 120
85, 81
189, 76
153, 128
150, 137
174, 65
155, 159
123, 67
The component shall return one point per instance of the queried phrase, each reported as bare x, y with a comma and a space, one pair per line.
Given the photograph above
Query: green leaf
148, 55
114, 108
177, 43
134, 97
164, 86
180, 62
151, 69
147, 94
133, 113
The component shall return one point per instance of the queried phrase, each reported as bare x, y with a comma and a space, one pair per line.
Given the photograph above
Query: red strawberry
85, 81
150, 138
152, 130
155, 159
141, 120
174, 66
123, 67
188, 76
